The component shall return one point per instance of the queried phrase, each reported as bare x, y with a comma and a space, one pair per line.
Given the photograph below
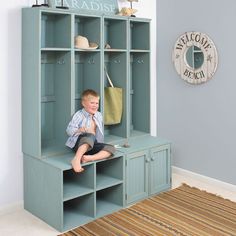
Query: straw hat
83, 43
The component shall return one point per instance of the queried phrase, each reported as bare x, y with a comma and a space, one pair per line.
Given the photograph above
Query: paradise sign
109, 7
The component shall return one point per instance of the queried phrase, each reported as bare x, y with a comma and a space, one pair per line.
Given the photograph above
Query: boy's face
91, 104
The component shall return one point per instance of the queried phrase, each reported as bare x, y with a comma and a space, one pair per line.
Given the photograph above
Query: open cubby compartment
116, 67
109, 200
75, 185
55, 30
139, 35
79, 211
55, 100
139, 93
89, 27
115, 33
109, 172
87, 74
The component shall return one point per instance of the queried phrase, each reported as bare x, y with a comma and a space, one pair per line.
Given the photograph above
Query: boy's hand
82, 130
87, 130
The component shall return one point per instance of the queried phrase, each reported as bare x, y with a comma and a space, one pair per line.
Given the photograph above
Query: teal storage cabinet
148, 167
54, 75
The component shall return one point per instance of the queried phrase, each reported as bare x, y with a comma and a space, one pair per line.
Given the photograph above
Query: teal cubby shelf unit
65, 199
54, 75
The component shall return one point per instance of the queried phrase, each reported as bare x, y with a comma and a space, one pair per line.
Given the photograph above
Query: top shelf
59, 30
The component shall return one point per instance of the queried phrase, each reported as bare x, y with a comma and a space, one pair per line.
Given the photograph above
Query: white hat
83, 43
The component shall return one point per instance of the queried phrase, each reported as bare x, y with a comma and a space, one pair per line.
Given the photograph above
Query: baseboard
11, 208
204, 179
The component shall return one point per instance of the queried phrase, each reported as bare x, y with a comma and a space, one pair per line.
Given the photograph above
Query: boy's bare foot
87, 158
76, 165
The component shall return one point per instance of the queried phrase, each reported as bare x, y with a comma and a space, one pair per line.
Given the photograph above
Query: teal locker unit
54, 74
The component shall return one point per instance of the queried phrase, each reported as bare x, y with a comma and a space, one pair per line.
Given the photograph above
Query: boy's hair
89, 93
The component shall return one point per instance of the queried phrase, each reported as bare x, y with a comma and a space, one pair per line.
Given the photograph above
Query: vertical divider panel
72, 97
31, 99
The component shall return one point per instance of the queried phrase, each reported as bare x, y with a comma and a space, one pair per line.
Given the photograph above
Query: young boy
85, 132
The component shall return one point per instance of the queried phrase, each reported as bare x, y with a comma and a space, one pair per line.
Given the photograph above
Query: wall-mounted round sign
195, 57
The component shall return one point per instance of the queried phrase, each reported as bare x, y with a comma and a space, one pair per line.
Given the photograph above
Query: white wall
10, 101
11, 167
200, 120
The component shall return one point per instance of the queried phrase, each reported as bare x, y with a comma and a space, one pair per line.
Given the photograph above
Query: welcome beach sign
109, 7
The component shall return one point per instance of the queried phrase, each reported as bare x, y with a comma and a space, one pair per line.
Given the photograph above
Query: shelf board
115, 50
48, 98
74, 219
72, 190
113, 138
105, 207
87, 50
140, 143
137, 133
139, 50
56, 49
62, 162
104, 181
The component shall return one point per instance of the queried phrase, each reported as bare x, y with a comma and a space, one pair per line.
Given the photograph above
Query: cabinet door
160, 178
136, 176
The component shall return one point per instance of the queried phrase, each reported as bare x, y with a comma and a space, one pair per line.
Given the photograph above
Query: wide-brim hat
83, 43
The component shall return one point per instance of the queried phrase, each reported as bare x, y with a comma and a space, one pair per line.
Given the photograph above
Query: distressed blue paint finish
160, 173
108, 7
136, 176
54, 74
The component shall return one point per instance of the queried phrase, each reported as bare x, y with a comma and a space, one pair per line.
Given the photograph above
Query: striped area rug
184, 211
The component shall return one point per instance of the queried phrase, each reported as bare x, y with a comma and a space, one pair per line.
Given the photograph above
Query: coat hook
91, 61
140, 61
61, 62
117, 61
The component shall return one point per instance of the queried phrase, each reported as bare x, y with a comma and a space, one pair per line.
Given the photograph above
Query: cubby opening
89, 27
139, 35
139, 93
115, 33
55, 30
109, 200
75, 185
87, 74
109, 173
55, 100
79, 211
116, 67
